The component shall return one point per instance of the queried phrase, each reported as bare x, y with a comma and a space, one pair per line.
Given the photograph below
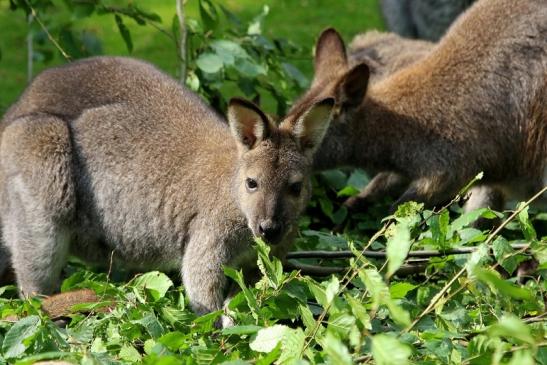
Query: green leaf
151, 324
18, 337
249, 68
129, 353
467, 218
209, 14
209, 62
292, 344
241, 330
268, 338
525, 224
510, 326
387, 350
336, 351
398, 245
124, 31
399, 290
503, 252
295, 74
504, 287
155, 283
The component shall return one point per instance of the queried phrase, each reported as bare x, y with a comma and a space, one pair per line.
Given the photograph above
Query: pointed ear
330, 54
249, 125
352, 88
312, 126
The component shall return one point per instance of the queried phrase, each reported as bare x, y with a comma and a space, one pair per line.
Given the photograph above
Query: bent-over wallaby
476, 102
110, 155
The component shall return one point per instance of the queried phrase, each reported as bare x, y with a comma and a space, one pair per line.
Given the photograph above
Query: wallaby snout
270, 230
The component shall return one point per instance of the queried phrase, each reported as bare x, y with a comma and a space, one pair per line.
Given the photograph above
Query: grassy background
298, 21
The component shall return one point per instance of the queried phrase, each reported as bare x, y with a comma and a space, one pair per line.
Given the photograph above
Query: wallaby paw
356, 204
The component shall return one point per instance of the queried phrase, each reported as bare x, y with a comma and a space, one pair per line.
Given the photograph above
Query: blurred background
265, 46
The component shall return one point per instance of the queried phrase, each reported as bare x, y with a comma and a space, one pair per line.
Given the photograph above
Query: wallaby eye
251, 184
296, 188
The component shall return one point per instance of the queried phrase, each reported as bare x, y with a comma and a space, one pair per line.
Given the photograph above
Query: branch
182, 42
315, 270
383, 255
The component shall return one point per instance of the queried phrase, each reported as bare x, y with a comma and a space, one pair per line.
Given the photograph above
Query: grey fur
476, 102
109, 154
425, 19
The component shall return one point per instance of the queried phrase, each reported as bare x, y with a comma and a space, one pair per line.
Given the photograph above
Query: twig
50, 37
443, 291
383, 254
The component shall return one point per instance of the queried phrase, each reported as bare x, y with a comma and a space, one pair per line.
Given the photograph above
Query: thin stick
383, 254
50, 37
315, 270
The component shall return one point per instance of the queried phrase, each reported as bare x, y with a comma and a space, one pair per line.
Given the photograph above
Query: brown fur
110, 155
477, 102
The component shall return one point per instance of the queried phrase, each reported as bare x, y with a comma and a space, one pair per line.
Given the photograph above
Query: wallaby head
335, 77
272, 183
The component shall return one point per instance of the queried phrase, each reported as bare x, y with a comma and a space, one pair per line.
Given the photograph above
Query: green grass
298, 21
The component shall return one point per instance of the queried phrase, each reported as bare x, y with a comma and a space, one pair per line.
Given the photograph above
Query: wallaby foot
383, 184
39, 200
485, 197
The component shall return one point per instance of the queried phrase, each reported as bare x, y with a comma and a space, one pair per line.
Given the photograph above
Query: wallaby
426, 19
110, 155
476, 102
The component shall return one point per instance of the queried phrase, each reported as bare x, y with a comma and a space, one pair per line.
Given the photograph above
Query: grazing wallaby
426, 19
476, 102
110, 155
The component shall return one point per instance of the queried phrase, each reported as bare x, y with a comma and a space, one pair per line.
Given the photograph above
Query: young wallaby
426, 19
110, 155
476, 102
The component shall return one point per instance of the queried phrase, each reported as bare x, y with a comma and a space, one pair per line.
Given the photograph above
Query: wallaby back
110, 155
475, 103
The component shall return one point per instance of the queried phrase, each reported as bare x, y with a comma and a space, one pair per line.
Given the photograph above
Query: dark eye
251, 184
296, 188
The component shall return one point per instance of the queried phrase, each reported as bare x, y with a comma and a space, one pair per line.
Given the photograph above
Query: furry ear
312, 125
249, 125
352, 88
330, 54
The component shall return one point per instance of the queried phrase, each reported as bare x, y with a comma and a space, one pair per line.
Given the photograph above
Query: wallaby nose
269, 230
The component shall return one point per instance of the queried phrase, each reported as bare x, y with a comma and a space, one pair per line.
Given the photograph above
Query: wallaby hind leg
36, 160
4, 262
485, 197
431, 191
381, 185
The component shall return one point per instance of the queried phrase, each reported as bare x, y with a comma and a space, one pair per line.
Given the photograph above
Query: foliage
224, 56
462, 309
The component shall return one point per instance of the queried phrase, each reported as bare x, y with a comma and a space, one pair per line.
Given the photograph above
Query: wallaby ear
312, 125
248, 123
330, 54
352, 88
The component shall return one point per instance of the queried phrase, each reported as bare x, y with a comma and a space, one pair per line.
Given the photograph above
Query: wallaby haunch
476, 102
110, 155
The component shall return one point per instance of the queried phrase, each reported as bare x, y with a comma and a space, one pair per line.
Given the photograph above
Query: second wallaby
476, 102
109, 155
